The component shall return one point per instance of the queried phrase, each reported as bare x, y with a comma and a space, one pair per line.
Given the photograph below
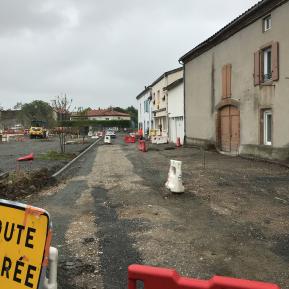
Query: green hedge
96, 123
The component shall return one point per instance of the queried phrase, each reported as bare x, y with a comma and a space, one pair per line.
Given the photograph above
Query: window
267, 23
267, 64
146, 106
158, 99
267, 127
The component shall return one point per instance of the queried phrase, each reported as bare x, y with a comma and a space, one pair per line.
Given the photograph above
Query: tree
18, 105
61, 105
36, 110
131, 110
119, 109
83, 111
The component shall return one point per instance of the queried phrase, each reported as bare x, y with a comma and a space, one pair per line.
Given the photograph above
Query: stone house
236, 85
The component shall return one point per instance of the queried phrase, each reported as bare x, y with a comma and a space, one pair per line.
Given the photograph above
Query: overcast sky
100, 53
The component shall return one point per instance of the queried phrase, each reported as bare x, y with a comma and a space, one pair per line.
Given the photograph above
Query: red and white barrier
160, 278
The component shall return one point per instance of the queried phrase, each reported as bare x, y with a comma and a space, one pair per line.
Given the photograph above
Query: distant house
236, 85
144, 104
100, 114
175, 93
107, 114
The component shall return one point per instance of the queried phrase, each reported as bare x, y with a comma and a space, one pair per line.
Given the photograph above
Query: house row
161, 106
236, 85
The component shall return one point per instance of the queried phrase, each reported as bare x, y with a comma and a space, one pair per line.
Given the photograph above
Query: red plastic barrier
129, 139
160, 278
126, 138
29, 157
132, 139
142, 146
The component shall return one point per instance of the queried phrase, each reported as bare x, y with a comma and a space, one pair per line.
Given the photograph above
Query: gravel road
114, 211
9, 152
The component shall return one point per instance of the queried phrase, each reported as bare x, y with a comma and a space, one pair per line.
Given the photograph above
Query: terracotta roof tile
105, 112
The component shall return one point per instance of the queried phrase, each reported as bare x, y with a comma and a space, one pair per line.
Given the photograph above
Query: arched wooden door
229, 129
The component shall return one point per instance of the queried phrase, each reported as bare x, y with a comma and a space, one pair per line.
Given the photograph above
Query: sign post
25, 236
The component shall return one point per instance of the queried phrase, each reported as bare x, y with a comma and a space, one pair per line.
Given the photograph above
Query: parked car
111, 133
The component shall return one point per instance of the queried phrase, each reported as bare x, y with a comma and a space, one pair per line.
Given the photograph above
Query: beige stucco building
237, 85
160, 98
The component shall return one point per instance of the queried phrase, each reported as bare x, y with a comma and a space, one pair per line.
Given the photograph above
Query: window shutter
229, 80
275, 61
257, 68
224, 81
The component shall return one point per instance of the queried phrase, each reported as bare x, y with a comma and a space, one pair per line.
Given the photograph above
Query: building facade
175, 92
236, 85
160, 98
107, 114
144, 104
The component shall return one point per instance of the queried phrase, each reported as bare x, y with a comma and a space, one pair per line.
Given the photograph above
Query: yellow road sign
25, 235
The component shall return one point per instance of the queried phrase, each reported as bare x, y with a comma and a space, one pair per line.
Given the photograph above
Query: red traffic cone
29, 157
178, 142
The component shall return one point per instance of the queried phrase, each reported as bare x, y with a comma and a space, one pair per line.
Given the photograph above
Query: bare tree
61, 105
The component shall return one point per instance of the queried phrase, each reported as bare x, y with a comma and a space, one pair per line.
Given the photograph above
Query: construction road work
114, 210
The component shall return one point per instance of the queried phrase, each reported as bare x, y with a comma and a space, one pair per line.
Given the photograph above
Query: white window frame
267, 75
267, 23
267, 113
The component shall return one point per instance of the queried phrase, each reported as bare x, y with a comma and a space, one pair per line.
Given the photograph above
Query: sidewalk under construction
115, 211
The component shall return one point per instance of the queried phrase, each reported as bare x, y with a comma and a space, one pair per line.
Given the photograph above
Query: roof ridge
242, 17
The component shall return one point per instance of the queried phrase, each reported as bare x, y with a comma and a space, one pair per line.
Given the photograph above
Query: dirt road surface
115, 211
12, 150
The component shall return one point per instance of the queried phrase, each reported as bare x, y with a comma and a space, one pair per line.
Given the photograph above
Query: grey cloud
100, 52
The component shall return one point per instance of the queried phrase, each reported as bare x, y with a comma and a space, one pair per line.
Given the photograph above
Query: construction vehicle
38, 129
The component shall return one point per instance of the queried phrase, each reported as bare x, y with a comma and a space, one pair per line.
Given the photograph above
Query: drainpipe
184, 81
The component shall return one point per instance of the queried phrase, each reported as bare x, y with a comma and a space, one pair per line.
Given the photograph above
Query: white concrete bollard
154, 139
175, 182
51, 282
170, 176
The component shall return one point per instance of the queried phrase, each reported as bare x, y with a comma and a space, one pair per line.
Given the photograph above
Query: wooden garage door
230, 129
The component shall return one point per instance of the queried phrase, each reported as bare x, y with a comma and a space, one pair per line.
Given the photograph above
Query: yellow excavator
38, 129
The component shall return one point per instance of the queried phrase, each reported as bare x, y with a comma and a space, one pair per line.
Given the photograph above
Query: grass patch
55, 156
